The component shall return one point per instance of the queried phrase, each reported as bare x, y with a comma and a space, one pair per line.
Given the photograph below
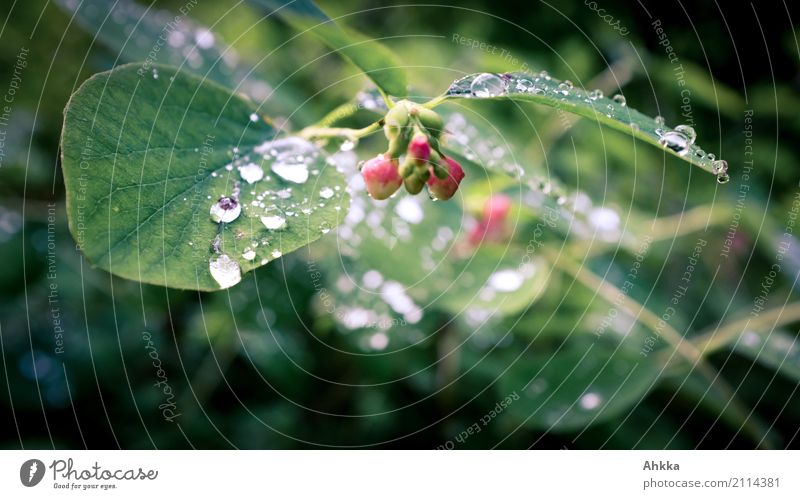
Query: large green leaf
148, 157
378, 62
614, 113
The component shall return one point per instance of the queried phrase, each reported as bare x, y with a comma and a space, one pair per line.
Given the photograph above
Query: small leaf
150, 164
614, 113
378, 62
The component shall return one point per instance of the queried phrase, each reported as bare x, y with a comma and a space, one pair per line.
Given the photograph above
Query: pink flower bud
419, 149
496, 208
381, 177
445, 188
492, 225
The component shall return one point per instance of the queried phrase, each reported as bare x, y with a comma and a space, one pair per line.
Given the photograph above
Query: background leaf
146, 155
373, 58
133, 32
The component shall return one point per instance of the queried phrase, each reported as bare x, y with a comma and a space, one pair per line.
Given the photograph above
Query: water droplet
720, 166
225, 271
660, 121
204, 38
620, 99
487, 85
276, 254
506, 281
565, 86
596, 94
274, 222
525, 85
409, 210
544, 74
378, 341
604, 219
251, 173
225, 210
249, 254
347, 145
688, 131
591, 401
326, 193
254, 117
291, 172
372, 279
723, 179
675, 141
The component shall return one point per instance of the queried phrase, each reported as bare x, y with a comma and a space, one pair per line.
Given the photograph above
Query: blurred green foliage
305, 353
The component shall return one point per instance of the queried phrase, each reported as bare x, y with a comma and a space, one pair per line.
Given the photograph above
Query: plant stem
713, 339
318, 132
435, 101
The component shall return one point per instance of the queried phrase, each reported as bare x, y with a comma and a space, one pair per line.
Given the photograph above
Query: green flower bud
430, 120
416, 182
408, 167
396, 120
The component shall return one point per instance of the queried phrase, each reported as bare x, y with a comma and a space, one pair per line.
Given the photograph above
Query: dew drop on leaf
291, 172
675, 141
249, 254
225, 271
251, 173
687, 131
591, 401
326, 193
620, 99
225, 210
487, 85
506, 281
273, 222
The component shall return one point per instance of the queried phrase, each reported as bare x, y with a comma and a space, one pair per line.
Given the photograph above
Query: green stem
389, 102
320, 132
435, 101
713, 339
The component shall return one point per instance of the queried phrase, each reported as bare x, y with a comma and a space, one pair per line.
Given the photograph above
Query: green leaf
584, 381
133, 32
146, 158
378, 62
614, 113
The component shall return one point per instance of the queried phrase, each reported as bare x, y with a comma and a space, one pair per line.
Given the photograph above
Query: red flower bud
419, 149
445, 188
381, 177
